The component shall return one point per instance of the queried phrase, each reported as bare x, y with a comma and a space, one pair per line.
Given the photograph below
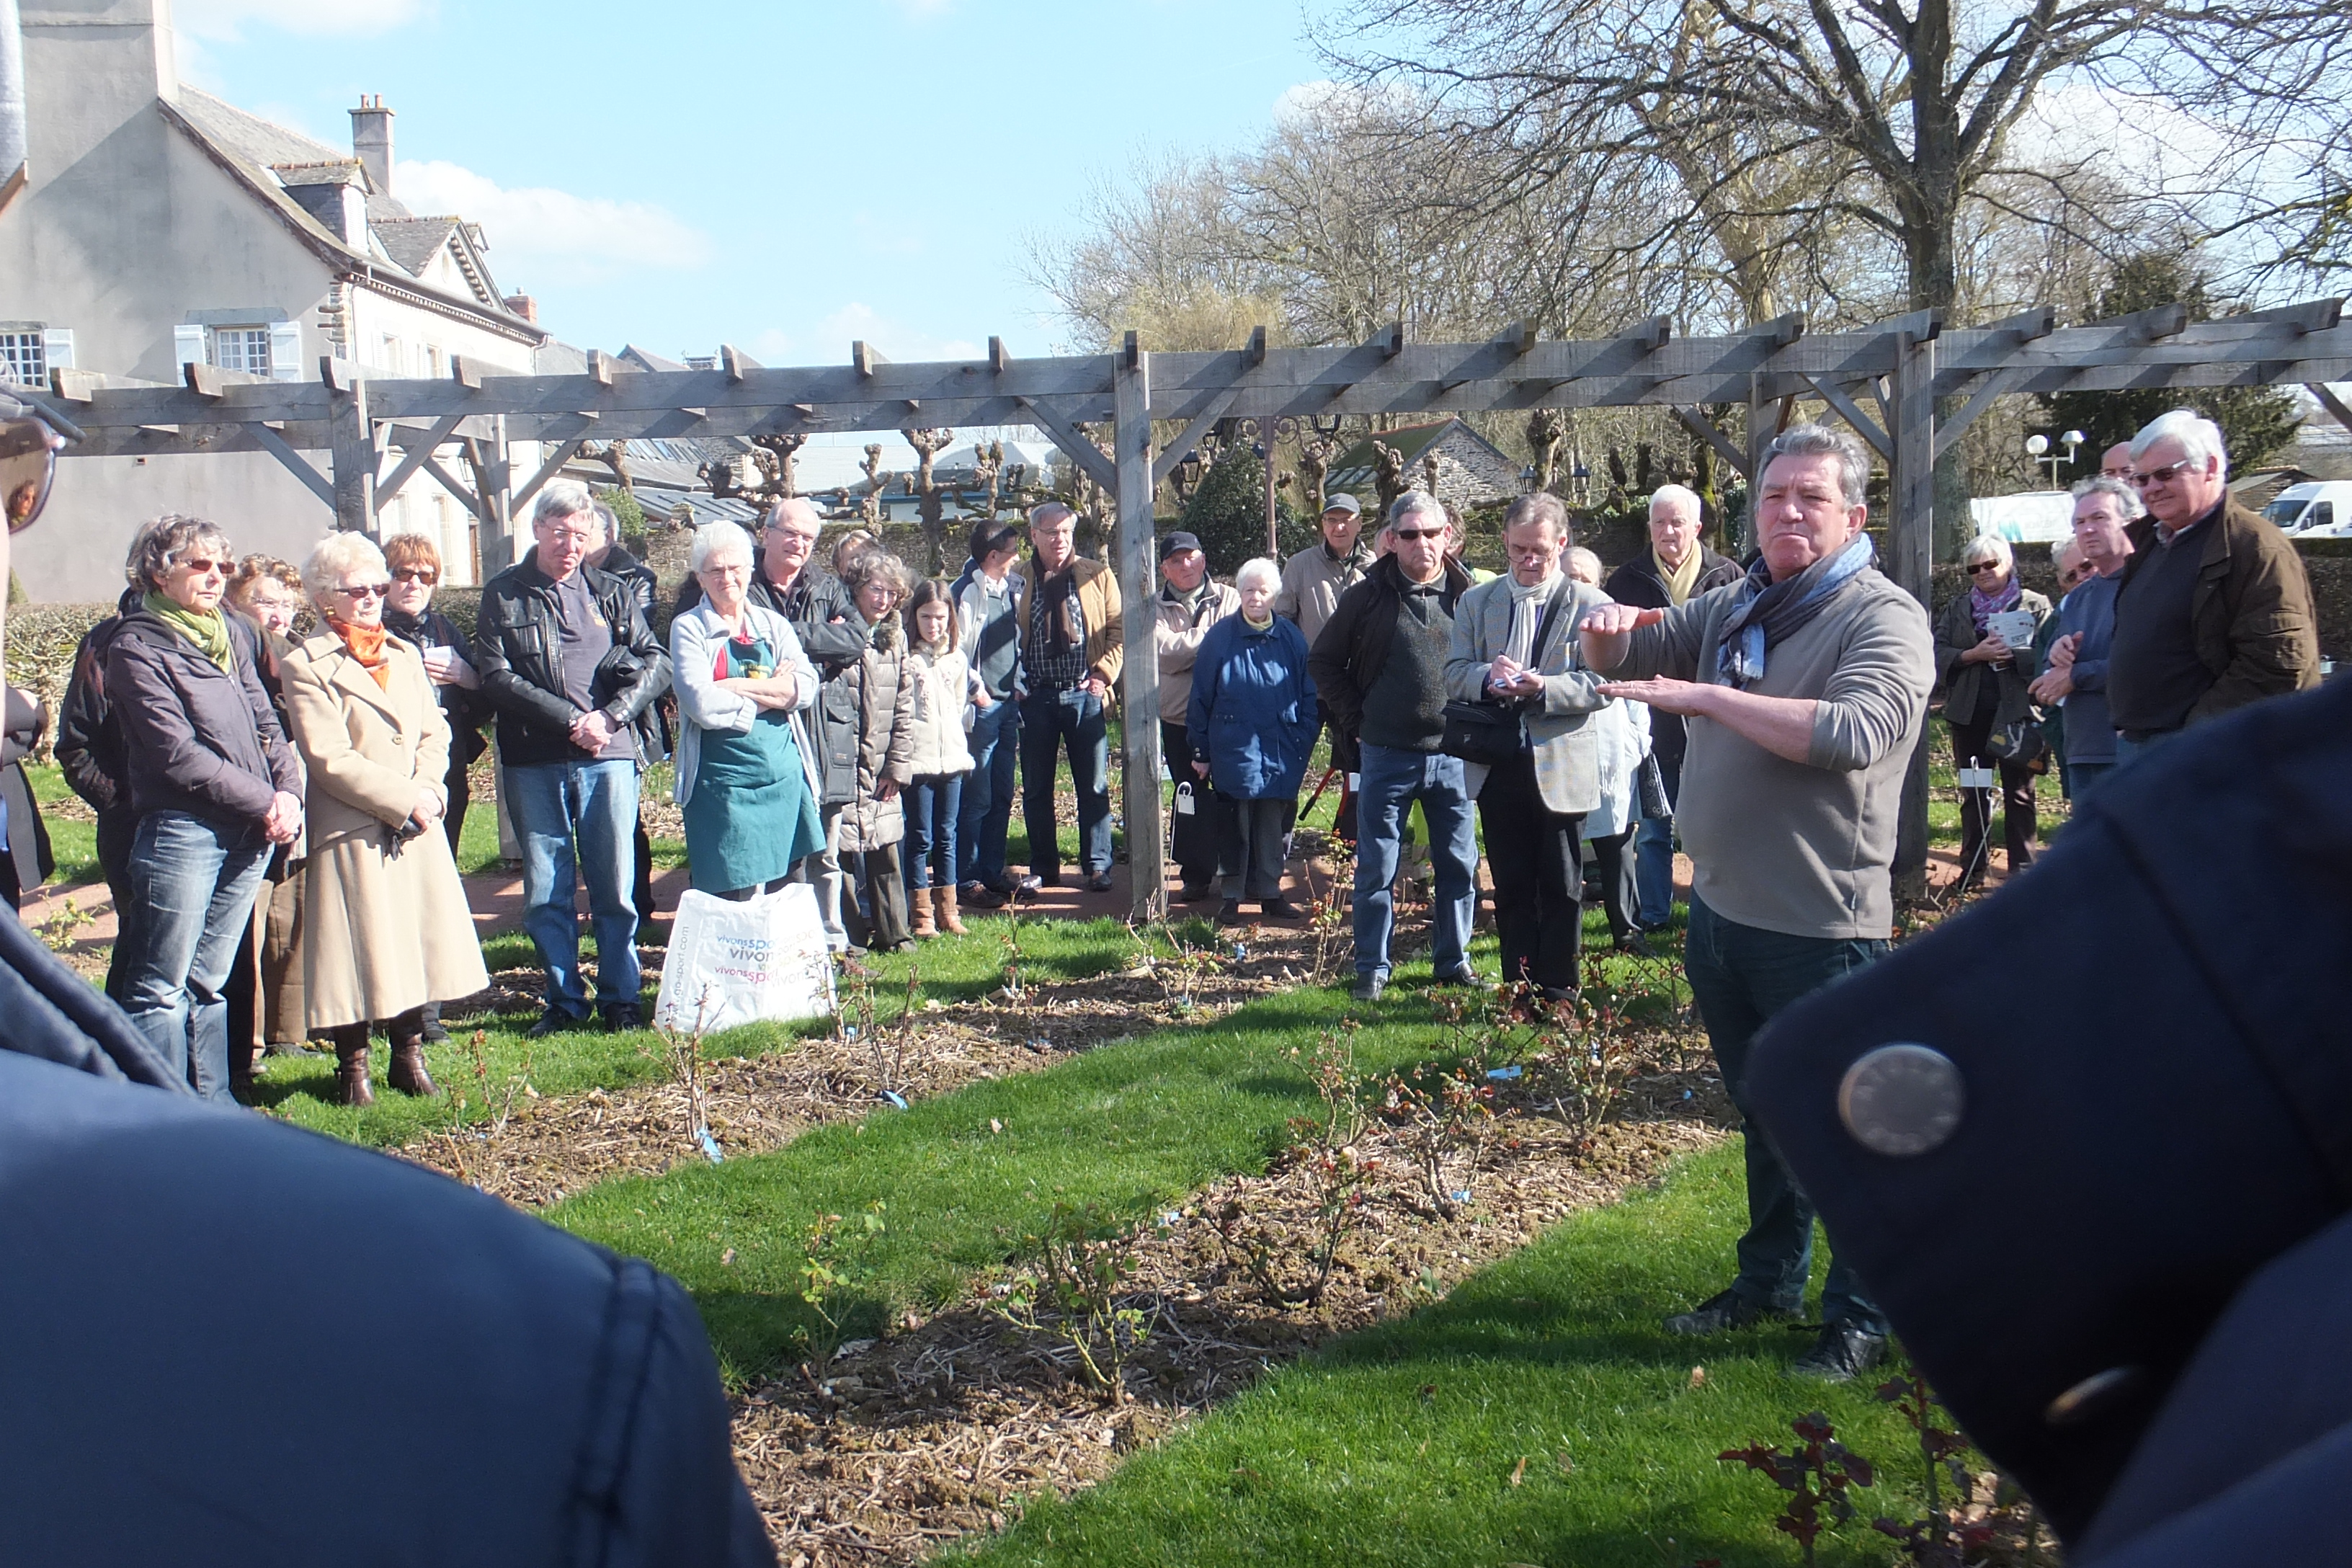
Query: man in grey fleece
1805, 685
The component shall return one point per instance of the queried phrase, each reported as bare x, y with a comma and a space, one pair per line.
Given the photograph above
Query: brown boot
351, 1086
920, 902
946, 900
408, 1074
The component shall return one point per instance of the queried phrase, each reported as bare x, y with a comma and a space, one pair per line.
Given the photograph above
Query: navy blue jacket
445, 1381
1253, 716
2090, 609
2145, 1200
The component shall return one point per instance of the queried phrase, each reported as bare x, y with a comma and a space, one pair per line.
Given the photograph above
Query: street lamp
2039, 445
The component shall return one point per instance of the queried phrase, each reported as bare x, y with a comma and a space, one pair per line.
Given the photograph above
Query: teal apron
750, 819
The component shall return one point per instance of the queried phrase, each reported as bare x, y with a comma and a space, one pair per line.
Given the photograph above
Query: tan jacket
384, 922
2252, 615
1176, 634
1098, 601
1312, 583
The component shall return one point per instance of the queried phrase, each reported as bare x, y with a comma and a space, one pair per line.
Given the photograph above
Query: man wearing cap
988, 609
1071, 653
1189, 602
1312, 582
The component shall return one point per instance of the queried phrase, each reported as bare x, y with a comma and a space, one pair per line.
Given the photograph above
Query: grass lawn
1401, 1444
74, 845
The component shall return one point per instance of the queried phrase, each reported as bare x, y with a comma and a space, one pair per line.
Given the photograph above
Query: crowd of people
279, 818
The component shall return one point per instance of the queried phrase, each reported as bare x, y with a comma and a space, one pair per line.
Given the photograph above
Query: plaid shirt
1048, 667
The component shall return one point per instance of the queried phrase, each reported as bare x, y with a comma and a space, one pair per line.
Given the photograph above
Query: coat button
1901, 1099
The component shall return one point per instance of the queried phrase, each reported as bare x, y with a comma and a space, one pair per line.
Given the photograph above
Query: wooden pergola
1885, 380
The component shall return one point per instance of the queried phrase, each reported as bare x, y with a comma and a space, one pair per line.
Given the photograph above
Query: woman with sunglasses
1985, 680
385, 929
408, 613
214, 784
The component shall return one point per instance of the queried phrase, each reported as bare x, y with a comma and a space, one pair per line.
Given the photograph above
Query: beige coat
384, 924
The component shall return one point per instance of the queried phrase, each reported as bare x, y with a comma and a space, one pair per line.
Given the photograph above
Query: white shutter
57, 348
188, 345
285, 350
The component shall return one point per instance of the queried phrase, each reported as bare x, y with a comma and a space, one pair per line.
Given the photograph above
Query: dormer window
242, 348
230, 339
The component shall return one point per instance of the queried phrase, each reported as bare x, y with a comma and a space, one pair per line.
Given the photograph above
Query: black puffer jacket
518, 646
466, 712
195, 738
90, 742
544, 1400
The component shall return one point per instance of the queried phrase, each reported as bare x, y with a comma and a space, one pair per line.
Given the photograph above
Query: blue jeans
1391, 779
1741, 976
987, 807
593, 805
933, 803
1653, 858
193, 885
1047, 718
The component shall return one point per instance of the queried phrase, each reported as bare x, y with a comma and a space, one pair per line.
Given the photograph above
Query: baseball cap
1343, 502
1177, 543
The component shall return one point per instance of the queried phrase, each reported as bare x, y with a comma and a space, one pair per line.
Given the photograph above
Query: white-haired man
568, 662
2076, 674
1677, 569
2214, 611
1806, 687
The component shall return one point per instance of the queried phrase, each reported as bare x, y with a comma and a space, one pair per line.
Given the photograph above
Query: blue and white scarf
1768, 612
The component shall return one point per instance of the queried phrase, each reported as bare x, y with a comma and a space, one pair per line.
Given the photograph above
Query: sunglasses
28, 468
366, 590
2165, 475
204, 568
1401, 534
415, 575
1983, 566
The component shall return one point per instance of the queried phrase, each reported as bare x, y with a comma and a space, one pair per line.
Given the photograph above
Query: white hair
1821, 441
1676, 498
717, 538
1258, 570
560, 499
1581, 563
2198, 437
338, 556
1990, 546
2128, 499
1413, 501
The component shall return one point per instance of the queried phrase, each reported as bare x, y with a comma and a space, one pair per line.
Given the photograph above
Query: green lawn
1401, 1445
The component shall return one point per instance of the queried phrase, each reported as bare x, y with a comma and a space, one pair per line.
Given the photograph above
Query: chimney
526, 307
371, 140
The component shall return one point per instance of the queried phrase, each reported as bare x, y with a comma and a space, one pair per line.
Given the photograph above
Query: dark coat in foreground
2124, 1269
468, 1386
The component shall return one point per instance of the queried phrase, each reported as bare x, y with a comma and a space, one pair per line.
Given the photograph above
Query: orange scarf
366, 644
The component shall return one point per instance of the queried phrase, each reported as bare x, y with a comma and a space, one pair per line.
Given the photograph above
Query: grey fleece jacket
1802, 848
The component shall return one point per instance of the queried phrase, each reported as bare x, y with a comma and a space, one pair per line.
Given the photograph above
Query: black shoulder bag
1490, 732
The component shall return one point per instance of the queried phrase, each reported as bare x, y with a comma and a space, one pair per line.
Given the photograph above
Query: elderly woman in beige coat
385, 929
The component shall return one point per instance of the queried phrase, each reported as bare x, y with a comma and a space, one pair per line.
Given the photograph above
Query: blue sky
783, 176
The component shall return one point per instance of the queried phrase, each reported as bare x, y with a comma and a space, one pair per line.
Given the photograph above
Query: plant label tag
1976, 778
1184, 802
1355, 784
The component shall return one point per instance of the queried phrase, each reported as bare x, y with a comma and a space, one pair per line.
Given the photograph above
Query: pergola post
1139, 683
352, 438
1910, 534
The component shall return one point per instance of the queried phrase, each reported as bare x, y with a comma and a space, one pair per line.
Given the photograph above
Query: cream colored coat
384, 922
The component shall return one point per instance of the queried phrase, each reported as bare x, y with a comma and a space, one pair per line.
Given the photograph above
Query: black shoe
1637, 944
1038, 882
436, 1033
1368, 987
1843, 1352
623, 1016
1723, 1312
1099, 882
1465, 977
1229, 913
975, 895
555, 1021
1279, 910
1196, 893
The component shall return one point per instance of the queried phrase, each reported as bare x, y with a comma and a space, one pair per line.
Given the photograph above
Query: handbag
2019, 743
1488, 733
1652, 783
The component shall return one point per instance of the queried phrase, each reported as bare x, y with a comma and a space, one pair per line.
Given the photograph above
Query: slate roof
412, 242
1352, 470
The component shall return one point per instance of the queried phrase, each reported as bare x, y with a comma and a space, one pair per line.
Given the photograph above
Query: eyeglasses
1401, 534
1976, 567
204, 568
423, 575
29, 466
366, 590
2165, 475
793, 535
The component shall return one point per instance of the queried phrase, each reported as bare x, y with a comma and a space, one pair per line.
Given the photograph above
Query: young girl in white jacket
946, 694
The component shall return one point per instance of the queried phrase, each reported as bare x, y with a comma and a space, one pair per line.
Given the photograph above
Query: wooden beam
1390, 341
1140, 680
452, 484
863, 359
1519, 337
75, 385
1952, 429
1910, 543
1074, 443
1705, 430
1851, 412
337, 374
1780, 330
2329, 401
2311, 316
415, 457
465, 373
271, 442
547, 470
600, 368
1254, 356
998, 361
356, 458
2028, 325
203, 379
735, 363
1130, 356
1164, 464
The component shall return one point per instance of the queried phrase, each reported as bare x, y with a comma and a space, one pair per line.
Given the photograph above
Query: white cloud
539, 235
225, 19
1308, 99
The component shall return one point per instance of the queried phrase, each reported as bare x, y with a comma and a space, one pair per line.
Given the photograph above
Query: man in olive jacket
1072, 650
568, 662
2214, 611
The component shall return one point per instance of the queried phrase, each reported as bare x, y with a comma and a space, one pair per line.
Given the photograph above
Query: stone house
1472, 471
160, 225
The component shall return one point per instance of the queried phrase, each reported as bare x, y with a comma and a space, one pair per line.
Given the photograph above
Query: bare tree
928, 445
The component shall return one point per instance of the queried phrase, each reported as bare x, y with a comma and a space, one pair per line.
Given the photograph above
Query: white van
2318, 510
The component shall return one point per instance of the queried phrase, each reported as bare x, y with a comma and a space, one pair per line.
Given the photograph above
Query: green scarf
208, 632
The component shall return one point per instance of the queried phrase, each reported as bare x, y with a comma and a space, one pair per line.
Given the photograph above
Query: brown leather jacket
2251, 613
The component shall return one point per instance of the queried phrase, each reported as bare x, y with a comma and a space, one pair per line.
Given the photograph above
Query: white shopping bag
732, 964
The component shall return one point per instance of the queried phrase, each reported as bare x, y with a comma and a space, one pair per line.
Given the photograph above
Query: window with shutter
22, 358
188, 345
57, 347
242, 348
285, 351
